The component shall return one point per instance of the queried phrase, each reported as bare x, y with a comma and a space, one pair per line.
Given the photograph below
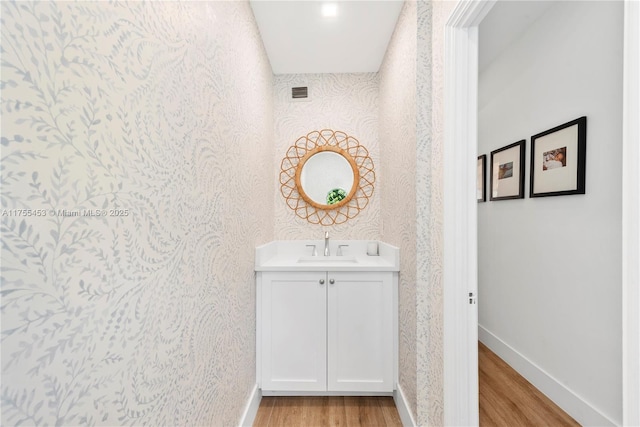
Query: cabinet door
294, 340
360, 332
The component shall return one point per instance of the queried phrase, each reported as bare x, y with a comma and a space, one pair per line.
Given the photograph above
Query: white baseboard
583, 412
251, 409
403, 408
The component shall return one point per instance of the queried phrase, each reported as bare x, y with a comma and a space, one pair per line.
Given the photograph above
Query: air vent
299, 92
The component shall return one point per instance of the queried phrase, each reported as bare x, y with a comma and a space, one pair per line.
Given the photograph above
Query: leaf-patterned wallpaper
398, 190
411, 140
429, 293
431, 19
345, 102
134, 140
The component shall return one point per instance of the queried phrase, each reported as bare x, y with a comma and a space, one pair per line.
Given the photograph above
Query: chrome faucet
326, 244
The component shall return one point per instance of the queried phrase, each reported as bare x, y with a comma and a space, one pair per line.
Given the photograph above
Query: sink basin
328, 259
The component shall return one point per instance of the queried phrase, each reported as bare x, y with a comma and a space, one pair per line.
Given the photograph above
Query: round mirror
327, 177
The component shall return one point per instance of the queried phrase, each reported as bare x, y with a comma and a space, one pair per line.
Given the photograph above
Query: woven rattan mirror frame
343, 144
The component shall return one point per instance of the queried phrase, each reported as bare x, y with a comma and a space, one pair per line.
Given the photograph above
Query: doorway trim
460, 210
631, 216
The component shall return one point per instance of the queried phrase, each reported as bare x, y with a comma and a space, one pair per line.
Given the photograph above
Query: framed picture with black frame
507, 172
481, 188
558, 160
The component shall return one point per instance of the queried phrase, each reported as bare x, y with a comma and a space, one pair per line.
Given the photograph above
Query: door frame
631, 216
460, 213
460, 314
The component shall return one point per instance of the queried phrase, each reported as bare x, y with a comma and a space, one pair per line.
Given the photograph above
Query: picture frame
558, 160
507, 172
481, 173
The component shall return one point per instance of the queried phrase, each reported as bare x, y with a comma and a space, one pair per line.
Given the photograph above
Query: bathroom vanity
326, 325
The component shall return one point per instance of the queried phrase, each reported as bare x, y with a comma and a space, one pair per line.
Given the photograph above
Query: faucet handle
339, 253
327, 252
314, 252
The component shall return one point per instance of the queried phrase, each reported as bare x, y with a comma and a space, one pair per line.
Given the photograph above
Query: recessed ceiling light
329, 9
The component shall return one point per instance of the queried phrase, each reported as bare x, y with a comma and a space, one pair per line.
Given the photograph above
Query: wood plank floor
327, 411
508, 400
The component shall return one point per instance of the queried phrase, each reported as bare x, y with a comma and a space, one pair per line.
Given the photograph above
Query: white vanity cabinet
331, 332
292, 331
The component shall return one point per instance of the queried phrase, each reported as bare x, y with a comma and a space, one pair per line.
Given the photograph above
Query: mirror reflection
327, 178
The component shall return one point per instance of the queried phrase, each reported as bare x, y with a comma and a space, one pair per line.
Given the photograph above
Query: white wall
146, 318
549, 268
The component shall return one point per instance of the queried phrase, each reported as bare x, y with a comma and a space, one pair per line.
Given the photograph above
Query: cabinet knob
332, 281
322, 281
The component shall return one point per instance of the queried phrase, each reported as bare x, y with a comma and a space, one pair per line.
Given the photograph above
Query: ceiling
299, 40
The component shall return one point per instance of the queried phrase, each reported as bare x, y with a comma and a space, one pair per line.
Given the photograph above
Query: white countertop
295, 255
